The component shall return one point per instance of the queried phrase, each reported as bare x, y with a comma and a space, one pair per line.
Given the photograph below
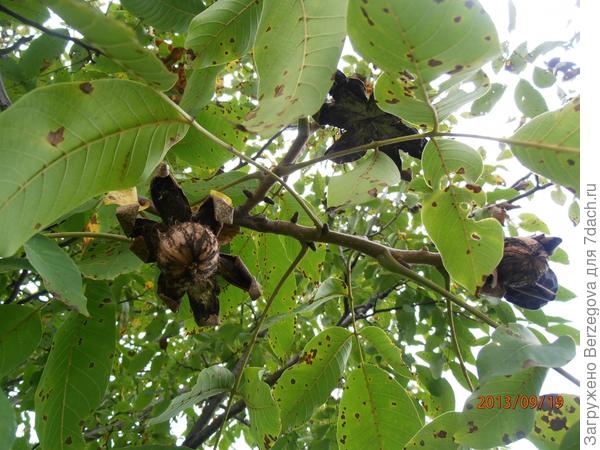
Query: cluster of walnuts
186, 244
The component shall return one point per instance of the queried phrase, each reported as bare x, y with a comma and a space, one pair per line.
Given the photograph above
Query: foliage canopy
371, 268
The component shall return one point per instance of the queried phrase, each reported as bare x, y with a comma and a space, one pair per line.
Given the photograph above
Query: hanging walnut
186, 247
523, 276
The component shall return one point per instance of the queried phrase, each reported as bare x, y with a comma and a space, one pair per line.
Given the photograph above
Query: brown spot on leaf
488, 38
56, 137
392, 101
457, 19
441, 434
558, 423
434, 204
506, 439
570, 162
68, 440
457, 68
86, 87
473, 187
372, 192
472, 427
434, 62
279, 90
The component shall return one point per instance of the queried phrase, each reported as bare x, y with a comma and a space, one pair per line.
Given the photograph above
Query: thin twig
42, 28
259, 153
254, 337
11, 48
268, 181
5, 101
16, 288
87, 234
531, 191
454, 339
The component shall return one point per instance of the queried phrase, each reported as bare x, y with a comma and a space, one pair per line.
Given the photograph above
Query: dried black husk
186, 247
355, 112
535, 295
523, 276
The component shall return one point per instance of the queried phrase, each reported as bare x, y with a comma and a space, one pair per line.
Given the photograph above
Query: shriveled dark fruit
523, 276
168, 198
356, 112
525, 260
535, 295
188, 249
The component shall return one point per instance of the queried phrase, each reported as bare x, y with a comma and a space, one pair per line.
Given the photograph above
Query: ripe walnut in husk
523, 276
186, 247
354, 110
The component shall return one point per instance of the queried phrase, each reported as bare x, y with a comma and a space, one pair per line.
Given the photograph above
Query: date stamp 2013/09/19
507, 401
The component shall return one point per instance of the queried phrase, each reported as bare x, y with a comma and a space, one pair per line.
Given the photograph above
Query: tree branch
4, 98
359, 243
43, 29
11, 48
268, 180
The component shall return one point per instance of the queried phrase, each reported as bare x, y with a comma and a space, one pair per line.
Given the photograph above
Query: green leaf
115, 40
530, 222
26, 8
74, 150
543, 78
211, 381
40, 54
514, 348
564, 294
437, 434
544, 48
150, 447
518, 59
443, 158
105, 260
485, 103
558, 196
452, 36
364, 182
571, 439
20, 334
264, 413
174, 15
574, 213
403, 98
307, 385
60, 274
553, 422
419, 56
196, 190
222, 120
390, 352
373, 405
298, 45
199, 89
224, 31
8, 423
11, 264
76, 373
484, 427
558, 128
529, 101
470, 249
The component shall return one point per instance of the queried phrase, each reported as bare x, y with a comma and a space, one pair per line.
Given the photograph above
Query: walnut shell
188, 249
